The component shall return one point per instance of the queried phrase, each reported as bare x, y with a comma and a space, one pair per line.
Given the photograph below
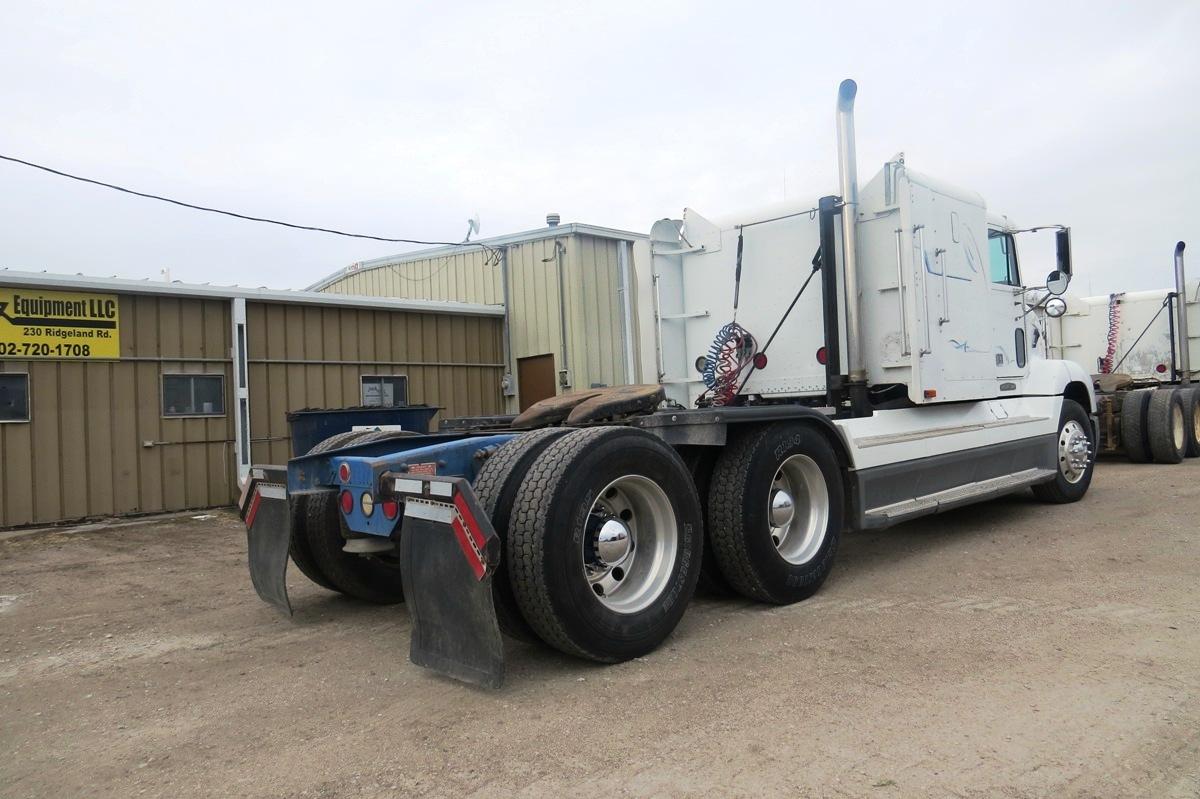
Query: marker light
347, 502
760, 360
1161, 368
390, 508
822, 356
344, 472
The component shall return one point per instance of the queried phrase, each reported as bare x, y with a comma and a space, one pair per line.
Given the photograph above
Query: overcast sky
403, 119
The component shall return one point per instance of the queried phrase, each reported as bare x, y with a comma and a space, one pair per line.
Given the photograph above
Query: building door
535, 379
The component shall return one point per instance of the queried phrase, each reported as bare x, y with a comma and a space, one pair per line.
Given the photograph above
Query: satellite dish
472, 227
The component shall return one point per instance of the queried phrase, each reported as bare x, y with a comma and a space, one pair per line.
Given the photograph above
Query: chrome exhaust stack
1185, 361
848, 171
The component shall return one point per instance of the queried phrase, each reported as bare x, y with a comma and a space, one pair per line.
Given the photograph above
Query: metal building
126, 396
570, 292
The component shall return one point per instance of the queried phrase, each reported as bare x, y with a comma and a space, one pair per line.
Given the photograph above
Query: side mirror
1057, 282
1056, 307
1062, 243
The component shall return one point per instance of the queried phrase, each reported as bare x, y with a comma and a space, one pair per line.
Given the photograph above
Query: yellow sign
58, 325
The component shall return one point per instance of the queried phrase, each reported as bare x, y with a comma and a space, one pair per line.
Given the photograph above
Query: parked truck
1137, 345
843, 364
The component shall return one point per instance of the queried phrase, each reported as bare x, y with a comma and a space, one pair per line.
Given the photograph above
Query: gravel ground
1009, 649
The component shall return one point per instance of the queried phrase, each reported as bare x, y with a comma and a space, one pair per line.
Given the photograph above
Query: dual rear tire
602, 540
603, 530
1161, 425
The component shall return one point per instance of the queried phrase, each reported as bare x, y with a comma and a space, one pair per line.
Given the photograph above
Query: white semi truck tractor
844, 364
1137, 346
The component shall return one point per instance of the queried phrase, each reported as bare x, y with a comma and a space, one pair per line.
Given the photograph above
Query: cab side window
1002, 259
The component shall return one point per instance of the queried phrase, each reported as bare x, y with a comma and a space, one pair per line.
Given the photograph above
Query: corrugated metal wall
465, 276
312, 356
595, 348
82, 453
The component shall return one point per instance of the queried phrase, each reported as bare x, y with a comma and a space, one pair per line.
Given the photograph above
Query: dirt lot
1011, 649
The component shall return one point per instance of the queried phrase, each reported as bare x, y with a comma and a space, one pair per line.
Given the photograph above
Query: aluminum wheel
630, 544
798, 509
1074, 451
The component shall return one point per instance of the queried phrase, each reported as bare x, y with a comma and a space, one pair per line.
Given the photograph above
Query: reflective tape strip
430, 511
405, 485
441, 489
467, 543
472, 526
254, 503
272, 491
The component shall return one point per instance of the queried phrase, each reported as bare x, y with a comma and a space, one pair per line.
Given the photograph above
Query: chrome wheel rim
798, 509
630, 543
1074, 451
1178, 427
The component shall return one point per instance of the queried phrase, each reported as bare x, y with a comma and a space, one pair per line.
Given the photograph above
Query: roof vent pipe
552, 220
848, 170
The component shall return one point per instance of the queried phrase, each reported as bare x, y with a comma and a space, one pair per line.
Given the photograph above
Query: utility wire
246, 217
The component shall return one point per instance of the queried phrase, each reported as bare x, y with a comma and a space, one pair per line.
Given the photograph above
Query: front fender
1061, 378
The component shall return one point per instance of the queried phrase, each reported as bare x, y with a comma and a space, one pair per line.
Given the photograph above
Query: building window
387, 391
193, 395
14, 397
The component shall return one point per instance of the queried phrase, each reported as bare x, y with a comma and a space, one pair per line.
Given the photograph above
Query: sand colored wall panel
595, 352
82, 453
97, 442
315, 357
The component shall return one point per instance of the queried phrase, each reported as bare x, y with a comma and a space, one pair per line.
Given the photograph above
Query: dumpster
310, 426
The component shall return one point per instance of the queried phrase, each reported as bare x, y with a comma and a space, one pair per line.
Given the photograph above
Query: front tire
604, 543
1076, 455
775, 512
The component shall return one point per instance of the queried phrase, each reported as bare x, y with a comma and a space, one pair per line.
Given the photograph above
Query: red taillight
760, 360
344, 472
822, 356
347, 502
390, 508
1162, 367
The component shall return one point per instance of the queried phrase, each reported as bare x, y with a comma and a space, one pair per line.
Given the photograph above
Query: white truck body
1081, 335
935, 322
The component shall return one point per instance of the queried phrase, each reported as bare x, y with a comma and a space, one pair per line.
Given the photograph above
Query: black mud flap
264, 509
448, 554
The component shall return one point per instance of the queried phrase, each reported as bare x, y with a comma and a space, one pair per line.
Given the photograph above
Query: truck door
1006, 308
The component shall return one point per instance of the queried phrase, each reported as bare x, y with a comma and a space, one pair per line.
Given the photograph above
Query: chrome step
953, 497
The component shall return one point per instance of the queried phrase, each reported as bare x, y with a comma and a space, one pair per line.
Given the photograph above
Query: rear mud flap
448, 554
264, 509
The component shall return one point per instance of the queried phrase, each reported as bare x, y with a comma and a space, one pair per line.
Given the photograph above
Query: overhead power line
491, 250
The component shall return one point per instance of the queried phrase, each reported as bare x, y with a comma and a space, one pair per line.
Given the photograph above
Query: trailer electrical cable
493, 253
